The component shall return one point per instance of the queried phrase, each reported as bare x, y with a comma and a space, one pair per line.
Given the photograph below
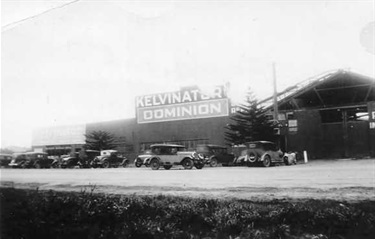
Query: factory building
329, 116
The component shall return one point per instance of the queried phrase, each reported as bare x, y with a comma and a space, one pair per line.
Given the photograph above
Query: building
329, 116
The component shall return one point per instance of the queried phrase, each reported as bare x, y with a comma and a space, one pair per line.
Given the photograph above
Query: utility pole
275, 108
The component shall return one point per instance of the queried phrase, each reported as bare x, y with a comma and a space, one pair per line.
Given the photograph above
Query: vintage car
109, 159
215, 154
167, 155
5, 159
30, 160
263, 153
80, 159
139, 160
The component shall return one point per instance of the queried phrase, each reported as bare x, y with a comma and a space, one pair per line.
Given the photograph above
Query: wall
308, 136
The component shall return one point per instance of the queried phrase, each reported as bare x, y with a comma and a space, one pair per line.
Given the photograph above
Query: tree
250, 123
100, 140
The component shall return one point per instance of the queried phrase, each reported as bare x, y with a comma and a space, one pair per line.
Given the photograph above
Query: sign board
60, 135
292, 123
371, 113
181, 105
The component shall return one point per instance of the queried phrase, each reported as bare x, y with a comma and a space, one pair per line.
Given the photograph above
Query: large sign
181, 105
60, 135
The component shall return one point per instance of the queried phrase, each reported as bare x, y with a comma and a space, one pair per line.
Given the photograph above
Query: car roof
5, 155
167, 145
212, 145
29, 153
262, 142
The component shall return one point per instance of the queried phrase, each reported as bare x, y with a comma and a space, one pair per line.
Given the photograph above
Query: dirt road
349, 180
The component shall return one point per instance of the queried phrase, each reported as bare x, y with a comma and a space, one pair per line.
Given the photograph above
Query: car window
155, 150
174, 150
202, 149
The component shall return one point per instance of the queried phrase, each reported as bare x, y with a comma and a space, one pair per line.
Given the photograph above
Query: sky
74, 62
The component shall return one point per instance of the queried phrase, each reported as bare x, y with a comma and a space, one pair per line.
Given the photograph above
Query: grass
50, 214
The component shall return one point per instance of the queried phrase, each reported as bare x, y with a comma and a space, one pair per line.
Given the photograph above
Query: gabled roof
331, 89
168, 145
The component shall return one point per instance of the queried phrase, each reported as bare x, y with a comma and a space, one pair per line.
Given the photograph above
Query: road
349, 180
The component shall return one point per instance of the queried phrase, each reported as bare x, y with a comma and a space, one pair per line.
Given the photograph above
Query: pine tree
100, 140
250, 123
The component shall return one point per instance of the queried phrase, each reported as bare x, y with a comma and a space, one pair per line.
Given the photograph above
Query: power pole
275, 108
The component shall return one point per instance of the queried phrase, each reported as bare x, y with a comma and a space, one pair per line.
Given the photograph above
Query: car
70, 161
263, 153
215, 154
109, 159
167, 155
139, 160
31, 160
80, 159
5, 159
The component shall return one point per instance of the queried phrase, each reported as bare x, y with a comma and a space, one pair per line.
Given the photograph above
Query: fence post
305, 156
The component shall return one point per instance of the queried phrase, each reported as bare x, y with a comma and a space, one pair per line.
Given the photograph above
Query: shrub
50, 214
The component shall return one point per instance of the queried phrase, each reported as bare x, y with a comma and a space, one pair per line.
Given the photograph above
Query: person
157, 150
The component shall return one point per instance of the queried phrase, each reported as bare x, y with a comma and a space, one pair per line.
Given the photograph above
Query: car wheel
251, 159
167, 167
125, 163
37, 165
105, 164
187, 163
154, 164
199, 165
213, 162
267, 161
286, 160
138, 163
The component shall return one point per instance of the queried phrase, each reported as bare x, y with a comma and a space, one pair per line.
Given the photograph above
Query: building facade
329, 116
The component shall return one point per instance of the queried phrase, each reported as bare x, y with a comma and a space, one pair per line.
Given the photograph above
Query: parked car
139, 160
30, 160
80, 159
263, 153
109, 159
5, 159
71, 161
215, 154
167, 155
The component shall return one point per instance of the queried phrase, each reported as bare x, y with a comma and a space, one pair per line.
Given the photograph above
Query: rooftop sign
59, 135
189, 103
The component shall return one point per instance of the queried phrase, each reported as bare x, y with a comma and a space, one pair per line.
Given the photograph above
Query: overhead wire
14, 24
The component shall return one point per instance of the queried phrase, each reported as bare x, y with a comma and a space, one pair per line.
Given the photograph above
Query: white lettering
205, 97
218, 92
158, 114
214, 108
154, 102
148, 100
203, 109
147, 115
186, 97
176, 97
139, 101
195, 94
170, 113
186, 110
163, 98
